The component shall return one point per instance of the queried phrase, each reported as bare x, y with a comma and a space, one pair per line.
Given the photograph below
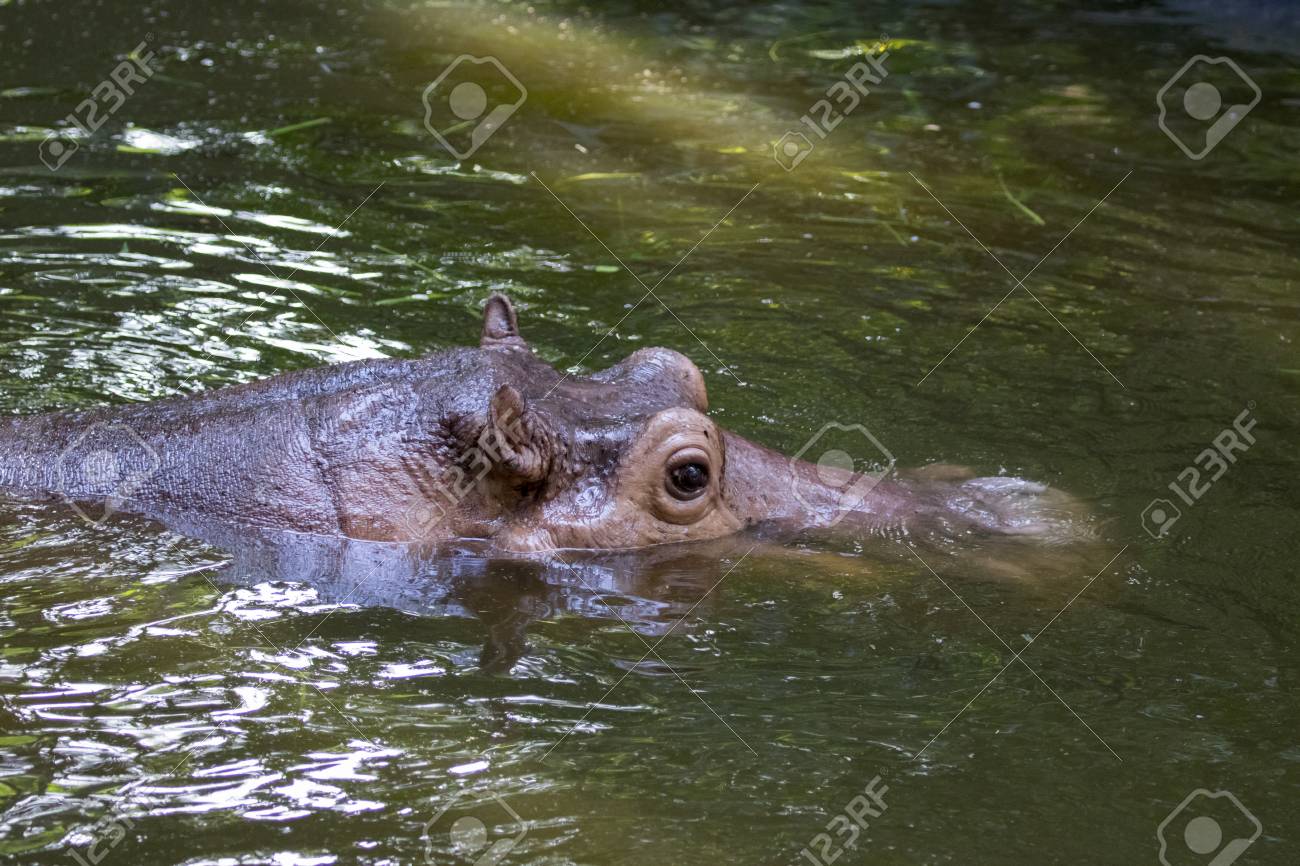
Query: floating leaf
170, 79
1037, 220
774, 50
18, 740
834, 53
602, 175
20, 92
294, 127
407, 299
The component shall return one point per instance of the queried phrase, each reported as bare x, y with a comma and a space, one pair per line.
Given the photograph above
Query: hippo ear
525, 444
500, 325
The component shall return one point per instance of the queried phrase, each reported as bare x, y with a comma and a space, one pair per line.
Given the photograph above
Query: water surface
270, 200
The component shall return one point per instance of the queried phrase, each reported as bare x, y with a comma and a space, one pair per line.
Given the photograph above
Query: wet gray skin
489, 443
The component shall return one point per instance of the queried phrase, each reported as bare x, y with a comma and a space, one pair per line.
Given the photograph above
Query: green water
162, 704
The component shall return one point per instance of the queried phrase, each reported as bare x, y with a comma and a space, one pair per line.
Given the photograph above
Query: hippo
487, 443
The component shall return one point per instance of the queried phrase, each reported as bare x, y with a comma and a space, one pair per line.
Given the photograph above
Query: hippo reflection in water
651, 591
488, 443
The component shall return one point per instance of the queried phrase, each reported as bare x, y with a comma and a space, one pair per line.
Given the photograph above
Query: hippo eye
688, 480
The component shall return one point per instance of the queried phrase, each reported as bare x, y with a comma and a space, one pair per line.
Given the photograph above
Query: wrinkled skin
490, 443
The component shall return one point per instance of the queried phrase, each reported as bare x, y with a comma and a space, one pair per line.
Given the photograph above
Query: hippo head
628, 458
624, 458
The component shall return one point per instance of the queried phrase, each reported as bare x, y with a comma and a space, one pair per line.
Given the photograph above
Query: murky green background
181, 714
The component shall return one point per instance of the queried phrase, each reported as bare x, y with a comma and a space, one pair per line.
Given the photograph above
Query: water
175, 702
